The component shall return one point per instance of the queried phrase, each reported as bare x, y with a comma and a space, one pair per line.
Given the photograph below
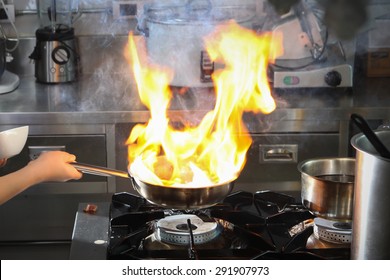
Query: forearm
50, 166
18, 181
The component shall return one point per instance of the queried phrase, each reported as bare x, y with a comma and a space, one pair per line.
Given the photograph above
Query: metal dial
60, 55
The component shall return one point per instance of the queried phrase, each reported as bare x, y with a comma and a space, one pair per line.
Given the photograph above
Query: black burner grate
255, 226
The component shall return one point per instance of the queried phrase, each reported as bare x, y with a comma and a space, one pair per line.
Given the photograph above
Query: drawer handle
278, 153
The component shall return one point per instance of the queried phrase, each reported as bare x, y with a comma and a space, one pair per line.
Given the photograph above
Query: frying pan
173, 197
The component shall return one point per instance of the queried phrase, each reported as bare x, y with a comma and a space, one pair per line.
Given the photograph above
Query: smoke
30, 5
106, 81
174, 39
110, 87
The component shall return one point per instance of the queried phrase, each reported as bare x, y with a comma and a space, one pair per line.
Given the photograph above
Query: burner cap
333, 231
174, 230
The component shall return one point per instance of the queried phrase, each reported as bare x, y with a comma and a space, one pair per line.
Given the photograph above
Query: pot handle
98, 170
142, 29
196, 5
142, 26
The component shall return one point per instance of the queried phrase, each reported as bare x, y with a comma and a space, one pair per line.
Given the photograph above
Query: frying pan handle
98, 170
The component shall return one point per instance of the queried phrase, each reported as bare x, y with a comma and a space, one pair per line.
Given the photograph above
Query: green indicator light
291, 80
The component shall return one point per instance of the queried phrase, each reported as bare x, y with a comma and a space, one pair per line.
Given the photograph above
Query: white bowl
12, 141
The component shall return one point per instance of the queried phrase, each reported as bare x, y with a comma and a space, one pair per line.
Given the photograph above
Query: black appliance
56, 55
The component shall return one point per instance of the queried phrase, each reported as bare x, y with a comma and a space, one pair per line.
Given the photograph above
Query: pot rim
201, 21
302, 164
360, 136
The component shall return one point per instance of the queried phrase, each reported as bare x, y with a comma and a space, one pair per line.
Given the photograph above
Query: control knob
333, 78
60, 55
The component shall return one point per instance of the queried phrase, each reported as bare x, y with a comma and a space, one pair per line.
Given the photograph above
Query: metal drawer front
274, 157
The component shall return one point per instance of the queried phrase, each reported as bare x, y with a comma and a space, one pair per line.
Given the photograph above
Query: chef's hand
49, 166
3, 161
54, 166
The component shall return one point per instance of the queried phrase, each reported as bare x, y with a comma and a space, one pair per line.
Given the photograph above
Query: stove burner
343, 225
186, 227
242, 226
331, 231
175, 230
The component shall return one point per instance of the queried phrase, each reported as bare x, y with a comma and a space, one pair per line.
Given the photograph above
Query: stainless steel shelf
79, 103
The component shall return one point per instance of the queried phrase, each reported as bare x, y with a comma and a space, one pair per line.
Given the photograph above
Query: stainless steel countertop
92, 100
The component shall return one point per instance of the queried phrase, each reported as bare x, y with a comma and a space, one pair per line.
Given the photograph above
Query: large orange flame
215, 150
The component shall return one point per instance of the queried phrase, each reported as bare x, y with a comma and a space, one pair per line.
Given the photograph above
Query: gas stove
261, 225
